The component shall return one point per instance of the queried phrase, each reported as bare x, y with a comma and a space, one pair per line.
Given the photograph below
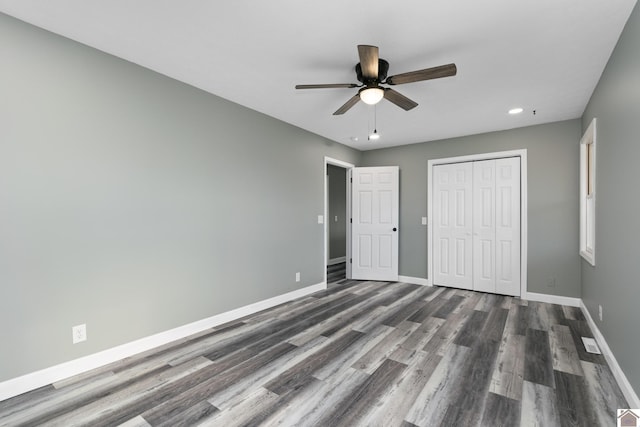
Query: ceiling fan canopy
372, 71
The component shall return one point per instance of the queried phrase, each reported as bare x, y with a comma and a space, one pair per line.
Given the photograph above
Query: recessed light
516, 110
354, 138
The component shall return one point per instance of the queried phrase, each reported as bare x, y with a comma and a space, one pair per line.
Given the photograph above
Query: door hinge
350, 260
350, 220
352, 180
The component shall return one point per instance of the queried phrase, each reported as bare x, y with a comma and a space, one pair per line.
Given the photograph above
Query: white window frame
588, 199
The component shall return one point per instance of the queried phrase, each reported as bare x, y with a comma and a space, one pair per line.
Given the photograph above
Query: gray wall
553, 198
135, 204
614, 282
337, 207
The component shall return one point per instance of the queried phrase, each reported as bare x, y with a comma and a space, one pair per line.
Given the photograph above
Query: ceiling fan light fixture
371, 95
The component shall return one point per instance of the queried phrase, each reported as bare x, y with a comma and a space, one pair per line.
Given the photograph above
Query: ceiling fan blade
328, 86
399, 99
347, 106
426, 74
368, 61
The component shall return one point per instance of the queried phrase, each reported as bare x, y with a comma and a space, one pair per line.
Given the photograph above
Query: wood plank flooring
359, 353
336, 272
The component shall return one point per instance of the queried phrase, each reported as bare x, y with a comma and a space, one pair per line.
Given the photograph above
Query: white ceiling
543, 55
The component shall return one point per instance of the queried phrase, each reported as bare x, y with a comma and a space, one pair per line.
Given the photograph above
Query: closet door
476, 225
452, 225
484, 226
508, 226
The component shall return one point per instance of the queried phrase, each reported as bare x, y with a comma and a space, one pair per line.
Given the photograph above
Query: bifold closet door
452, 225
508, 226
484, 226
476, 229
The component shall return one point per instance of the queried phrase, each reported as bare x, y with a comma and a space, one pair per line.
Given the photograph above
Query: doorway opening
337, 227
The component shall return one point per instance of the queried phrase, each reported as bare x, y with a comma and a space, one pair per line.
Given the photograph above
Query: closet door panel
452, 239
484, 226
508, 226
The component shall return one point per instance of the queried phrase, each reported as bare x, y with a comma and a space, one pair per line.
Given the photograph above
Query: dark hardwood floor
336, 272
359, 353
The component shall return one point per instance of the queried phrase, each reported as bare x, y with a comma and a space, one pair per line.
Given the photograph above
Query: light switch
320, 219
336, 219
424, 220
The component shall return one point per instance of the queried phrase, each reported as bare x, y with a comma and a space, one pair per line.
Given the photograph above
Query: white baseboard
414, 280
65, 370
552, 299
334, 261
621, 378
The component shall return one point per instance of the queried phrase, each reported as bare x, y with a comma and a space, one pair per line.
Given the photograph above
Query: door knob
395, 229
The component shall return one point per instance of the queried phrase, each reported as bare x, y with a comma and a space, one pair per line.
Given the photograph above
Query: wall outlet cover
79, 333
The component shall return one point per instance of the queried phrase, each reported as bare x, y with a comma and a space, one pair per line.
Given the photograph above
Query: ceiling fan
372, 72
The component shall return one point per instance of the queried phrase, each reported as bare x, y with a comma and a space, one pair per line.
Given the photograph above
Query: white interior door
476, 225
508, 226
375, 221
452, 225
484, 226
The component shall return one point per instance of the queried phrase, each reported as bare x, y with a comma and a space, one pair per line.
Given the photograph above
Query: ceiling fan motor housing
383, 68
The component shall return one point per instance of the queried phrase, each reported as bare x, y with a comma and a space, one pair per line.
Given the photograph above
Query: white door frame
348, 167
523, 207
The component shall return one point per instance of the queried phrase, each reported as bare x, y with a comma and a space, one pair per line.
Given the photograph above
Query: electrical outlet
424, 220
298, 276
79, 333
600, 312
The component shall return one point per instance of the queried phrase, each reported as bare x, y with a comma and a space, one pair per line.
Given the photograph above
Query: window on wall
588, 194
